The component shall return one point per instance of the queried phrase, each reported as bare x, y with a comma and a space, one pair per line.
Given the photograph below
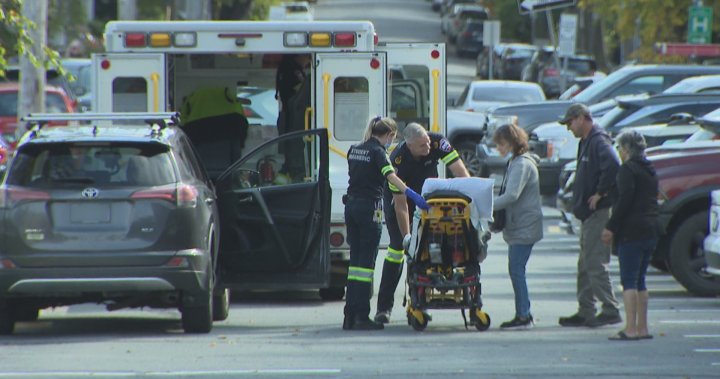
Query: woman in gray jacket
523, 213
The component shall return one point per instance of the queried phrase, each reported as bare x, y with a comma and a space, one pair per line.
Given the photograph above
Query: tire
473, 163
198, 317
7, 322
221, 305
687, 259
480, 319
332, 293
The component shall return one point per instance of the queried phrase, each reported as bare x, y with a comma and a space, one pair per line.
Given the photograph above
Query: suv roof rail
150, 117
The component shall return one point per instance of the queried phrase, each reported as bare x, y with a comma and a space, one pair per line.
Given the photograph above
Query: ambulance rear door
129, 82
350, 89
413, 66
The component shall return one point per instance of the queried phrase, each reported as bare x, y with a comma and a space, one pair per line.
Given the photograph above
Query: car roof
638, 101
139, 133
15, 87
502, 83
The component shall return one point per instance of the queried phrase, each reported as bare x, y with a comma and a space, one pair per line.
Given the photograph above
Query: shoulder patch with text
445, 146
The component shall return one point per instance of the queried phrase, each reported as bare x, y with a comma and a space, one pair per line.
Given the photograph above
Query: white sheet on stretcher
480, 190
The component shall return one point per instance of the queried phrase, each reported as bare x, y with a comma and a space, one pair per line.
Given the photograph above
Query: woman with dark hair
631, 228
520, 198
369, 167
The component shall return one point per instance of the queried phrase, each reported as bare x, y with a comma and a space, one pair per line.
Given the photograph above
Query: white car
712, 241
480, 95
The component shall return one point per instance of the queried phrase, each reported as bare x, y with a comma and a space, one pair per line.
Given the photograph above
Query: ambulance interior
252, 77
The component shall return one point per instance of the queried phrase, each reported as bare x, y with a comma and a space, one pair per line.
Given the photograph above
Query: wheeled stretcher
448, 243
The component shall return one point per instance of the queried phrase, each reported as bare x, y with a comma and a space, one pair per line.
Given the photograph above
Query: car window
54, 103
590, 94
509, 95
644, 84
581, 65
100, 164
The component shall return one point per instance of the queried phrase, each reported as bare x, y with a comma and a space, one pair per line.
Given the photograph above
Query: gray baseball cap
574, 111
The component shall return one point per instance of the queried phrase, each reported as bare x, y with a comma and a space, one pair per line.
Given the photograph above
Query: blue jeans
518, 257
634, 257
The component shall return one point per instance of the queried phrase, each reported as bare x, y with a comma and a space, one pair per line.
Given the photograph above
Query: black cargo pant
363, 230
393, 265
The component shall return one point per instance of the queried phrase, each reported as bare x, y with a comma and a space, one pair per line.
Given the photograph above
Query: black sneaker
518, 323
574, 320
604, 319
382, 317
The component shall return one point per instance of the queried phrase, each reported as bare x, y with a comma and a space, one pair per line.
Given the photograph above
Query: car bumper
188, 274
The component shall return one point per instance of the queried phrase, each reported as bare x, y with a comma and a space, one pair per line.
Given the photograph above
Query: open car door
274, 215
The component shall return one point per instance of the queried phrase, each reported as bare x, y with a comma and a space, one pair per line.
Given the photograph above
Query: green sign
700, 25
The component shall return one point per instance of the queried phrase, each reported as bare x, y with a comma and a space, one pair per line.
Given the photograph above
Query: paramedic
523, 208
368, 168
292, 91
414, 160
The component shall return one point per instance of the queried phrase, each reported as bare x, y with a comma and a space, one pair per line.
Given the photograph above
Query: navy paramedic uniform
413, 172
368, 167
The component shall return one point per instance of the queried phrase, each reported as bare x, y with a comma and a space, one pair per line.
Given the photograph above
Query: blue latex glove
417, 199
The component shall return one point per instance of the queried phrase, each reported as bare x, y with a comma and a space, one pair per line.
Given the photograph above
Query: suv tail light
12, 195
551, 72
182, 195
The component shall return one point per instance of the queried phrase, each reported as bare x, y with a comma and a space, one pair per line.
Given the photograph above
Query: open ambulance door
416, 66
128, 82
274, 225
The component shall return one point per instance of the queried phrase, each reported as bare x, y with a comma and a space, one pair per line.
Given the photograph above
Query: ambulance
156, 66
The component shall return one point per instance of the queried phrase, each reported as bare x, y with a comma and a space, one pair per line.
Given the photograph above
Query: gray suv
122, 212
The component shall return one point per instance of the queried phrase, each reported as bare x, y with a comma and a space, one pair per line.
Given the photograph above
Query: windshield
589, 94
609, 118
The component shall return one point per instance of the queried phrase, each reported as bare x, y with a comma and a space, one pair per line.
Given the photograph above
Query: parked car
482, 62
686, 179
52, 78
549, 74
56, 101
469, 41
460, 15
5, 153
579, 83
128, 216
481, 95
697, 84
711, 244
513, 60
465, 130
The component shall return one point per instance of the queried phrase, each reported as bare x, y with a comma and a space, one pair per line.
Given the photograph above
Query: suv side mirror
681, 118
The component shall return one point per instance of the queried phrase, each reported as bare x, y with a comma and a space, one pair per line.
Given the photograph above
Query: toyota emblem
90, 193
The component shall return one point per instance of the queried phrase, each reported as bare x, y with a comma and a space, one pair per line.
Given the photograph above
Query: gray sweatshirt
522, 202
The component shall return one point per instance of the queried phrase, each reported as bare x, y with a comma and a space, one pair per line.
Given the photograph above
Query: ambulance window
352, 107
130, 94
409, 99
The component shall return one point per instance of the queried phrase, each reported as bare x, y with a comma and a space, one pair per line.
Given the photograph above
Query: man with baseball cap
593, 193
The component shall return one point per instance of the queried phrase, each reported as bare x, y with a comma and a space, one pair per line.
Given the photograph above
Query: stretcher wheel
417, 319
480, 319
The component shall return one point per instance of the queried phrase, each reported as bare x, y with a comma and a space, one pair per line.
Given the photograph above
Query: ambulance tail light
295, 39
185, 39
376, 39
345, 39
320, 39
135, 40
160, 40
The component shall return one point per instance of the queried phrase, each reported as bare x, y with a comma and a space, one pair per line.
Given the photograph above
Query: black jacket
634, 214
597, 166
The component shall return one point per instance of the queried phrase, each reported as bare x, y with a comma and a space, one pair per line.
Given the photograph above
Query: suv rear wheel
198, 318
687, 259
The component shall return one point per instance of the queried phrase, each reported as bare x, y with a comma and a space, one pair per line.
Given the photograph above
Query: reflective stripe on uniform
393, 188
450, 157
387, 170
360, 274
394, 255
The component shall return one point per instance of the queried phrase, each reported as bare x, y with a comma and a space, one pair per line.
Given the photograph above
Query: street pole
32, 79
553, 41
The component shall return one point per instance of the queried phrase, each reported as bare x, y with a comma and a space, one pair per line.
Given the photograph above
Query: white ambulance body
152, 66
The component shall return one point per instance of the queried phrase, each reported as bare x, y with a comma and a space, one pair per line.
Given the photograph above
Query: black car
513, 60
544, 70
469, 41
123, 213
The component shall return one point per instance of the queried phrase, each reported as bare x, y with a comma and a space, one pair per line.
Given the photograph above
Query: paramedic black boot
364, 323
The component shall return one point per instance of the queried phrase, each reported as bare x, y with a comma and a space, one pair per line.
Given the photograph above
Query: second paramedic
292, 91
369, 167
414, 160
